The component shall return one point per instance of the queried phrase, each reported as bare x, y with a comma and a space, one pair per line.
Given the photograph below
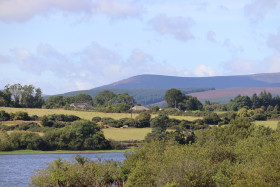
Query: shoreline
19, 152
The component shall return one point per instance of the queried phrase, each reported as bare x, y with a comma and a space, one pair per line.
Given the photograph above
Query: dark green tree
143, 120
103, 98
173, 97
239, 102
125, 98
256, 102
5, 98
160, 123
81, 98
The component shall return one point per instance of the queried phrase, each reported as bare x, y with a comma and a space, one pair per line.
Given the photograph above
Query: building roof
139, 108
81, 105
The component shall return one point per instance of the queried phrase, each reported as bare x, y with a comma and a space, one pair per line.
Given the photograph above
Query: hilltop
217, 82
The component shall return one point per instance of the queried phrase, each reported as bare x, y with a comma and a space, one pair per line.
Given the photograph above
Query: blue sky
67, 45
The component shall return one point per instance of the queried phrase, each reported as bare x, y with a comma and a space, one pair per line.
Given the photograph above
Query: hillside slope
218, 82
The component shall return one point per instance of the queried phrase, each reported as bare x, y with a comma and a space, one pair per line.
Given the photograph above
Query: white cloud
19, 10
257, 9
179, 27
94, 66
203, 70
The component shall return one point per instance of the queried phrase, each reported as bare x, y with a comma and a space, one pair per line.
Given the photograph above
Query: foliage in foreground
240, 154
80, 135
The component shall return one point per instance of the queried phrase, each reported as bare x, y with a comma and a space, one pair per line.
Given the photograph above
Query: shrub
96, 119
260, 117
21, 116
4, 116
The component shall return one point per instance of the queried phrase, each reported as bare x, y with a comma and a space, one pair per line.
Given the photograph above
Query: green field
126, 134
84, 114
271, 124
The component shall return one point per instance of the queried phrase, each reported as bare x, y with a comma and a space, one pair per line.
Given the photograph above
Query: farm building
139, 108
81, 105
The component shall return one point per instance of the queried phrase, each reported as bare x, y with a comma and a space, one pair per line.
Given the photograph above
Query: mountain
217, 82
150, 89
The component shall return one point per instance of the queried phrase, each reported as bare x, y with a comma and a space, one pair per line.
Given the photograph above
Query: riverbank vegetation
239, 154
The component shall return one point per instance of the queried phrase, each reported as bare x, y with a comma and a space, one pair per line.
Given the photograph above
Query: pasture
85, 114
126, 134
271, 124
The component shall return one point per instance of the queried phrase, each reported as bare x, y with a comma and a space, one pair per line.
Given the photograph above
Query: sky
68, 45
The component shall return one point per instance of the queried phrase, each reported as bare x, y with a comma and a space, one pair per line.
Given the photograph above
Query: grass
60, 151
126, 134
84, 114
271, 124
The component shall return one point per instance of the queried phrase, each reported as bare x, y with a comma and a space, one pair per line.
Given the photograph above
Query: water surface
15, 170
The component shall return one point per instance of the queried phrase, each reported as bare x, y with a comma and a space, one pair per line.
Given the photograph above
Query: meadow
126, 134
85, 114
271, 124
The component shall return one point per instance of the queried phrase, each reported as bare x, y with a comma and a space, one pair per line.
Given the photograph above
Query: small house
139, 108
81, 105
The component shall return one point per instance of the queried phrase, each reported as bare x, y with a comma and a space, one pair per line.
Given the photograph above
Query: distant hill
217, 82
224, 95
150, 89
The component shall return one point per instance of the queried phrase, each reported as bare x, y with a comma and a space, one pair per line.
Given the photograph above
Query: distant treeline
17, 95
142, 96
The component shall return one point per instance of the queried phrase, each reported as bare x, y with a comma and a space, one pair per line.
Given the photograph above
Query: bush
260, 117
26, 140
143, 120
26, 126
96, 119
4, 116
21, 116
109, 121
212, 119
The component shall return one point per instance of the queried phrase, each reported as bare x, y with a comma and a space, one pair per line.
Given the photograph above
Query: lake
16, 170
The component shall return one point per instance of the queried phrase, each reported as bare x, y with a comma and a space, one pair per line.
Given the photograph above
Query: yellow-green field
125, 134
84, 114
271, 124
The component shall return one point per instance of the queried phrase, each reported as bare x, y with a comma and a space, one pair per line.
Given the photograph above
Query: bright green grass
271, 124
84, 114
61, 151
126, 134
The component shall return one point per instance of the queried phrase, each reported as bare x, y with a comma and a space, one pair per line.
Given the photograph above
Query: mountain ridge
218, 82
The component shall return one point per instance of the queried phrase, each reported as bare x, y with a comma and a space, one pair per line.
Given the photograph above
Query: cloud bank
257, 9
19, 10
179, 27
